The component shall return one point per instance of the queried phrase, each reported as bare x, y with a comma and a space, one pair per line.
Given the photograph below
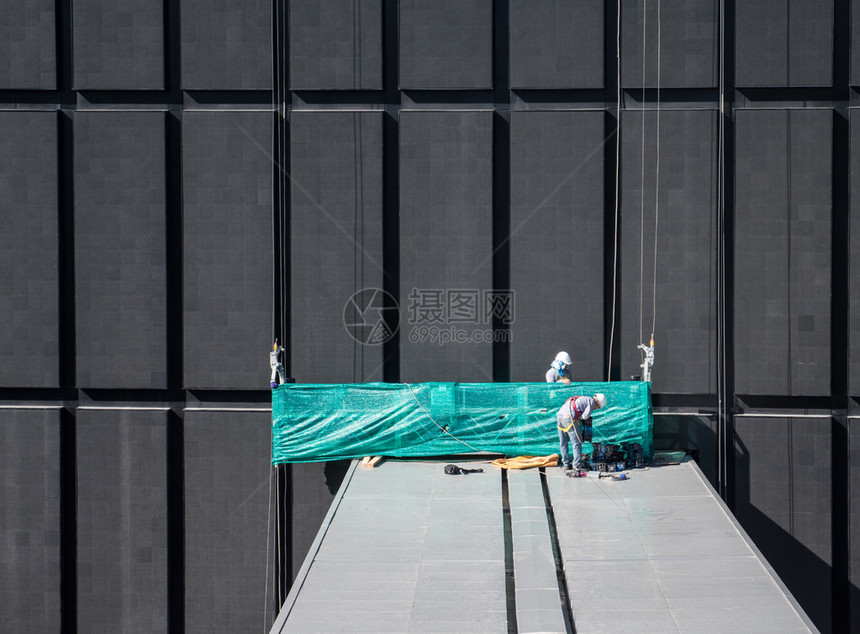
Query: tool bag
452, 469
607, 458
635, 455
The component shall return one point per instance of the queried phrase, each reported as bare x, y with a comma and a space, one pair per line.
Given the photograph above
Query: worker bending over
559, 370
574, 410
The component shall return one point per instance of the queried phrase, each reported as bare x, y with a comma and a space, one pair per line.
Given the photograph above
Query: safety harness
585, 425
574, 413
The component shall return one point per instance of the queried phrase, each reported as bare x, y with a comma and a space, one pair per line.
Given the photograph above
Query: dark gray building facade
184, 181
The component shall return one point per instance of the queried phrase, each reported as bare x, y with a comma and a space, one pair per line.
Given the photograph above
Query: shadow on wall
312, 487
804, 573
334, 472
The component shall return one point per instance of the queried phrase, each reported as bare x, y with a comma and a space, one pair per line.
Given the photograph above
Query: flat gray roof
408, 548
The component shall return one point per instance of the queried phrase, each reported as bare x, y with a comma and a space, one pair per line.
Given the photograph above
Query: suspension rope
617, 164
268, 542
721, 326
278, 539
356, 222
277, 150
282, 173
642, 175
274, 42
276, 144
656, 180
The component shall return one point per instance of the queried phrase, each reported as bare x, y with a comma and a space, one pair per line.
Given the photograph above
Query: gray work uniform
575, 409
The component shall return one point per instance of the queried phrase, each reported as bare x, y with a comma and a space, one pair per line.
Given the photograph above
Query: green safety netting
313, 422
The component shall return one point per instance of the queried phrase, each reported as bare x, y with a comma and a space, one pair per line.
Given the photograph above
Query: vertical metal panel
854, 273
122, 520
811, 241
227, 554
854, 62
120, 249
30, 520
556, 44
784, 43
783, 495
227, 249
335, 44
446, 44
336, 245
810, 43
28, 250
226, 45
557, 242
445, 245
119, 45
685, 221
782, 254
27, 45
680, 34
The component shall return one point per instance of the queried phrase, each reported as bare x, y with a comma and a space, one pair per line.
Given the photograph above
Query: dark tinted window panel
227, 249
782, 252
120, 295
335, 44
681, 36
789, 517
855, 50
783, 43
556, 242
336, 253
445, 245
27, 49
28, 250
446, 44
122, 520
854, 284
30, 520
685, 220
556, 44
226, 45
119, 44
119, 250
227, 553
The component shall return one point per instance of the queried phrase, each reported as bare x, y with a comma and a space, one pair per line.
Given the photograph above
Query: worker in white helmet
559, 370
574, 410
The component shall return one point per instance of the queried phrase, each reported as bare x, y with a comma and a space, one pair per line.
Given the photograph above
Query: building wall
408, 190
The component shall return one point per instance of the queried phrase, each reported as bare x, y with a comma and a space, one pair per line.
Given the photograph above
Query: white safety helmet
563, 357
600, 399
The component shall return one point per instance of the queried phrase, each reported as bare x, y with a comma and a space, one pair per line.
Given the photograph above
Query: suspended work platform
316, 422
406, 547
